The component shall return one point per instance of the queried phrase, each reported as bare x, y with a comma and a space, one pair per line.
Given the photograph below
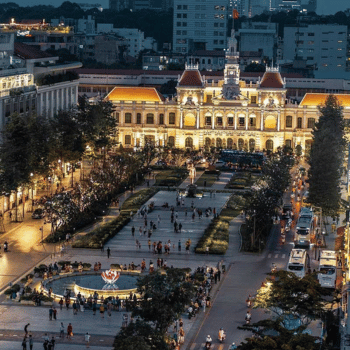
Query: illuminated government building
229, 113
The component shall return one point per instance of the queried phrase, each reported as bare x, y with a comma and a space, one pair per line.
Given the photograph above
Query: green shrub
102, 234
14, 289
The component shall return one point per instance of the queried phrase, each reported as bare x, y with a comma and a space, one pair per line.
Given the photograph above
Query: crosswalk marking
283, 256
269, 256
276, 255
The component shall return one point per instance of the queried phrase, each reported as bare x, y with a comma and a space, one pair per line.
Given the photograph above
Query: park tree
270, 334
164, 297
140, 335
326, 157
287, 297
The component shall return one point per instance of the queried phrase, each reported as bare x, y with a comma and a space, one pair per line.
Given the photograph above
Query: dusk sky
324, 7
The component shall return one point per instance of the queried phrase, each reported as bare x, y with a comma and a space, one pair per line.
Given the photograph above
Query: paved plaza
191, 228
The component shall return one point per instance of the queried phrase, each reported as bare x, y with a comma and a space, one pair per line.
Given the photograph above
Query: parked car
38, 213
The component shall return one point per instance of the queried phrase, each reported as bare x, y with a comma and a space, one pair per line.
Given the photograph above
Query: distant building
86, 25
161, 61
135, 38
248, 57
119, 5
200, 25
207, 60
322, 45
259, 36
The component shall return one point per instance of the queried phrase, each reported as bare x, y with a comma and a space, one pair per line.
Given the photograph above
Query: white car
219, 164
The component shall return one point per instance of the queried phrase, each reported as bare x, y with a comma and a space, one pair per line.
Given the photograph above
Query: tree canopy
326, 157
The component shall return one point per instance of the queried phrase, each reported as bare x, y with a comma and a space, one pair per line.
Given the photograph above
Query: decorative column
262, 121
181, 118
279, 120
213, 122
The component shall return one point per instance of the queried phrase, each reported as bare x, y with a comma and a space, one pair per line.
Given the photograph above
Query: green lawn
242, 180
209, 178
171, 177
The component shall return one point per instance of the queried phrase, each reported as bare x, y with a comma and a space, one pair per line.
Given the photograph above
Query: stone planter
27, 302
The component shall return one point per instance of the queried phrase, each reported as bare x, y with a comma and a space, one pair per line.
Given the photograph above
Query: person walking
61, 303
30, 342
108, 252
26, 328
61, 330
149, 244
102, 311
180, 227
133, 231
69, 331
54, 313
179, 246
50, 313
53, 342
46, 345
24, 343
87, 340
94, 307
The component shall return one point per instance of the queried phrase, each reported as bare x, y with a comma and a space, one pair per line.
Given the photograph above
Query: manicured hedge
104, 233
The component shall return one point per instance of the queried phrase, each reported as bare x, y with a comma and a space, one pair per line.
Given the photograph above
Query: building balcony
58, 78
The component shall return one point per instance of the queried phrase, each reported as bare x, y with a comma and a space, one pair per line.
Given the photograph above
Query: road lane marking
283, 256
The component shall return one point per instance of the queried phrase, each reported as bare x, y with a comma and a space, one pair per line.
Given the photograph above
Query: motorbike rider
221, 334
208, 341
233, 346
248, 317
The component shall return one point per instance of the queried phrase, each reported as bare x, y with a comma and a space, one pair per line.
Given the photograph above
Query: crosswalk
200, 346
276, 255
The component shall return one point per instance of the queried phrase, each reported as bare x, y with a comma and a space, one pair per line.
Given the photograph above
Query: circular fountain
88, 283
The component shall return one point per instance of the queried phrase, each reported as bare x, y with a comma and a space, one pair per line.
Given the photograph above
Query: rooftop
138, 94
272, 80
314, 100
29, 52
191, 78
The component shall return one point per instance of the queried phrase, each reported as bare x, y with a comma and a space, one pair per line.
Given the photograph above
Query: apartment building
200, 25
322, 45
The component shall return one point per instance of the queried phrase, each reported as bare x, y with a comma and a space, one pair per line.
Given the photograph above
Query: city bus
304, 228
327, 270
298, 262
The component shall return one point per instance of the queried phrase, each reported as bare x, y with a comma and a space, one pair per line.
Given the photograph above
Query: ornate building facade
229, 114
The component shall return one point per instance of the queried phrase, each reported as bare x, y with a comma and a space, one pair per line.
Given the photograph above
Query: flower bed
102, 234
171, 177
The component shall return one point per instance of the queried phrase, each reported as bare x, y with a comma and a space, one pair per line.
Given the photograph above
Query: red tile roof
28, 52
191, 78
272, 80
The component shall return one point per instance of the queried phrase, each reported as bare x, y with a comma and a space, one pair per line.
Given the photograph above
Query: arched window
240, 144
161, 119
241, 119
269, 145
252, 120
234, 146
207, 142
128, 139
289, 121
127, 118
308, 144
150, 140
208, 119
251, 145
270, 122
219, 119
150, 118
229, 143
299, 123
230, 119
138, 118
311, 123
288, 143
171, 141
171, 118
189, 142
218, 142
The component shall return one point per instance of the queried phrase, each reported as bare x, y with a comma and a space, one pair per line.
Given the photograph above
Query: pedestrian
53, 341
102, 311
109, 309
102, 248
24, 343
54, 313
61, 303
50, 313
207, 250
87, 340
179, 246
30, 341
26, 328
216, 277
69, 331
219, 275
149, 244
61, 330
180, 227
133, 231
108, 252
94, 307
46, 345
